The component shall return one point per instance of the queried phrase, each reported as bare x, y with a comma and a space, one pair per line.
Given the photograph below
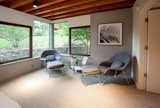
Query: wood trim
90, 10
70, 48
30, 39
58, 9
59, 6
76, 8
14, 60
18, 3
155, 8
70, 41
30, 43
42, 4
14, 24
89, 5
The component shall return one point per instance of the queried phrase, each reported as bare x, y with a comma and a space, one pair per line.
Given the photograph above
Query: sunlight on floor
39, 90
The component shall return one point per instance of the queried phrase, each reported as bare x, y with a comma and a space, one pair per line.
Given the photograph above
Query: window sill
18, 61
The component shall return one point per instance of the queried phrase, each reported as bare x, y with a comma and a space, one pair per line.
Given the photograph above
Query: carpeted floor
47, 90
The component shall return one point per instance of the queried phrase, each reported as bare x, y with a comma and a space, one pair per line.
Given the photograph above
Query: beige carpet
38, 90
6, 102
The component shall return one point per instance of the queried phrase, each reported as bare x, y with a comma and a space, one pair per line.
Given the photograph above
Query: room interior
79, 53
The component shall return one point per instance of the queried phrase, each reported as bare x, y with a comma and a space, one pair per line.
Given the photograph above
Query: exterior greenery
13, 36
15, 40
80, 38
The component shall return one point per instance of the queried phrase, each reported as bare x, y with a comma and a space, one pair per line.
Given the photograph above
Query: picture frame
110, 34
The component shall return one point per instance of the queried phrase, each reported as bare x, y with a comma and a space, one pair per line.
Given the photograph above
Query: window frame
30, 40
70, 41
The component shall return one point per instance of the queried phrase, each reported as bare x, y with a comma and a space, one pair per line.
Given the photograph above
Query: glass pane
80, 40
14, 42
61, 37
40, 38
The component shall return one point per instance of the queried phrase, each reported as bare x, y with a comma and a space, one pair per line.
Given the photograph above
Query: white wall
11, 70
20, 67
13, 16
83, 20
140, 11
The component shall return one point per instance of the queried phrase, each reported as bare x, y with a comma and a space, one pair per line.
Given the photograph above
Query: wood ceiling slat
14, 3
5, 2
57, 9
63, 5
18, 3
2, 1
76, 8
92, 10
42, 4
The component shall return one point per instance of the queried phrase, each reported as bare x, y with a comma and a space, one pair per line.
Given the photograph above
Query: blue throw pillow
50, 58
116, 64
57, 56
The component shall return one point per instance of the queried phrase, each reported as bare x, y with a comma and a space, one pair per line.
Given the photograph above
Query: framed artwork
110, 34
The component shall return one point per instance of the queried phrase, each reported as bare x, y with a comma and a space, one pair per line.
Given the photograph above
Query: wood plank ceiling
58, 9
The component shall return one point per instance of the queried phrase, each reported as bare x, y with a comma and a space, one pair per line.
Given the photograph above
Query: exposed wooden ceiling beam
42, 4
14, 3
18, 3
92, 10
1, 1
76, 8
5, 2
63, 5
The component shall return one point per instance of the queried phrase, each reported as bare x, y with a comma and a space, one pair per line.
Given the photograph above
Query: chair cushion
116, 64
54, 64
91, 70
50, 58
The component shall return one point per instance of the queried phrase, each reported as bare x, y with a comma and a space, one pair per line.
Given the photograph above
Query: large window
41, 35
15, 42
61, 37
80, 40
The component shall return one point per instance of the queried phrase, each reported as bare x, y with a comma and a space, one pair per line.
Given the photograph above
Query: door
153, 73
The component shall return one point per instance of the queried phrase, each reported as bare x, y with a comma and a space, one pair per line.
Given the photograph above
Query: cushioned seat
52, 60
54, 64
90, 69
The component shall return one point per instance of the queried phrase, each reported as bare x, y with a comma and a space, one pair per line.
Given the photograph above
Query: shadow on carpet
93, 79
56, 73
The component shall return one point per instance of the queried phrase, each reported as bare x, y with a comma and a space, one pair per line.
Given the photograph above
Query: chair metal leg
115, 74
126, 78
102, 79
99, 79
62, 69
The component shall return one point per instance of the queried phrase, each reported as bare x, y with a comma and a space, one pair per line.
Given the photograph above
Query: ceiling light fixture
35, 3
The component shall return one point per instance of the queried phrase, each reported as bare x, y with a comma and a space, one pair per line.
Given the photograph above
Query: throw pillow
50, 58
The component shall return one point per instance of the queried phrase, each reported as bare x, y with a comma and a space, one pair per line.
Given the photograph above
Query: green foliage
63, 30
40, 29
81, 36
13, 34
61, 35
